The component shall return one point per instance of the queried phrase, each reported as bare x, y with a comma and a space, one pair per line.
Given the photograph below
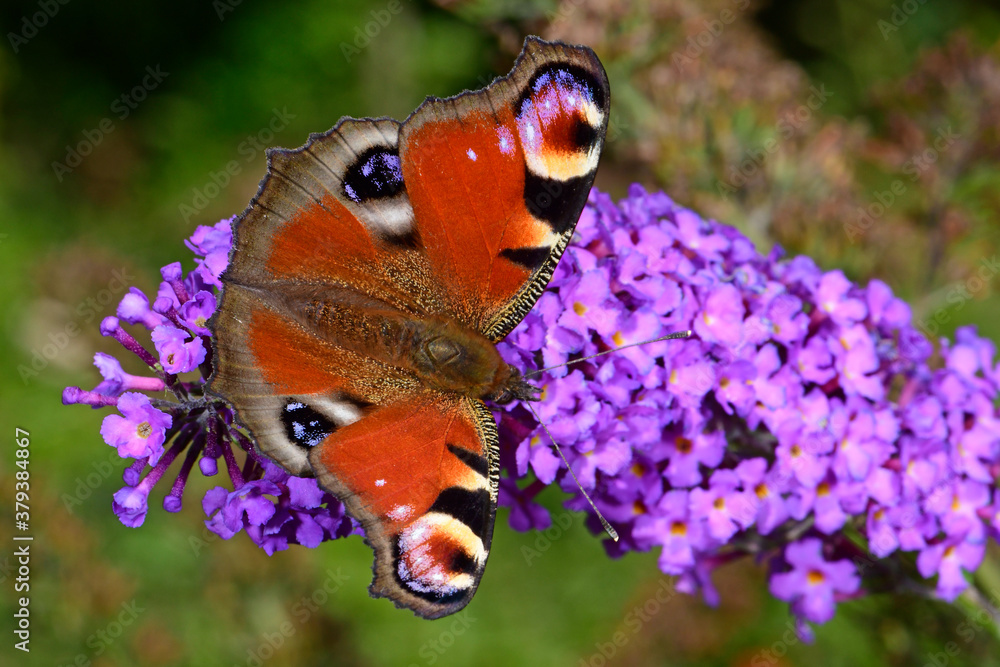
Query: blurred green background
811, 124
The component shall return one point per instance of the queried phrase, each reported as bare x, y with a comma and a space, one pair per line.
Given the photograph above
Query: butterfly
371, 277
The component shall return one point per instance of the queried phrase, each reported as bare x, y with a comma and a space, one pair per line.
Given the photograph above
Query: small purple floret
140, 433
179, 352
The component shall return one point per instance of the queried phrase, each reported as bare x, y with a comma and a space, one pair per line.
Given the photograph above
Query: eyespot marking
376, 174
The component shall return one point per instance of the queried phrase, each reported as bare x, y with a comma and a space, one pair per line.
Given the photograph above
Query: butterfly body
441, 352
370, 280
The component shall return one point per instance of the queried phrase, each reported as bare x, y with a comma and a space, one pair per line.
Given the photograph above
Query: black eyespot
569, 77
304, 426
374, 175
585, 135
463, 563
443, 597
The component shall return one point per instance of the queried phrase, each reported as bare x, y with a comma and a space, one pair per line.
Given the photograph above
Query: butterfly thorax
451, 357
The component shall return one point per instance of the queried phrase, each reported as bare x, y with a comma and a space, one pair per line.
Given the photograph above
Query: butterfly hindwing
497, 179
421, 477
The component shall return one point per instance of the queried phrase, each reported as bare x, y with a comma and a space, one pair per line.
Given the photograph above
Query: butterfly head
516, 388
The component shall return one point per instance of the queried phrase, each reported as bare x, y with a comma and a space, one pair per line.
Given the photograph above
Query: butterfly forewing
497, 179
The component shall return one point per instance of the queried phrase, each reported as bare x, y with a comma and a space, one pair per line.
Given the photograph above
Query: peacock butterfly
370, 278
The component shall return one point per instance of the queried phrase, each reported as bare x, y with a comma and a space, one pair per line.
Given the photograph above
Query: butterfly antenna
679, 334
612, 533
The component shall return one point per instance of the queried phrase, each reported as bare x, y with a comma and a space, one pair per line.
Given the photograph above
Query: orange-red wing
497, 179
421, 476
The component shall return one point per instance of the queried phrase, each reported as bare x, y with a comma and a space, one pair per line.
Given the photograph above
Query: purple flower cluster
275, 508
801, 423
